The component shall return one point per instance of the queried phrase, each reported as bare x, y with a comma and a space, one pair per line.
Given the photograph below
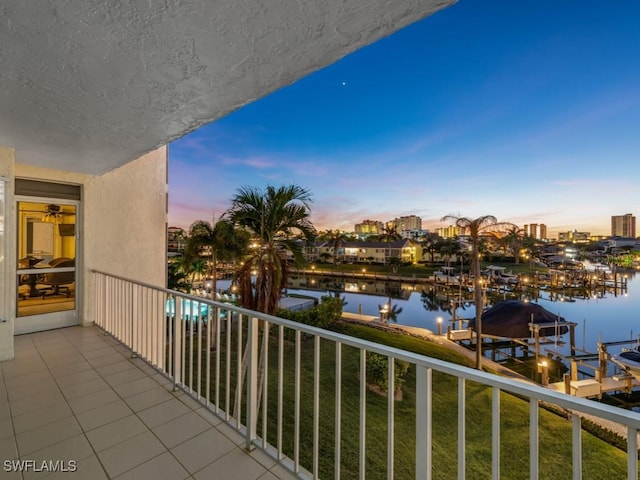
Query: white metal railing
220, 354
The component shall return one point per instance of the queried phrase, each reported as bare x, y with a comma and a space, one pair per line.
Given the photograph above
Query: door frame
52, 320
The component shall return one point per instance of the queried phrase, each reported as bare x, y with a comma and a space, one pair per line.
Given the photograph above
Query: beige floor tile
8, 448
116, 367
71, 450
162, 466
115, 432
129, 454
112, 357
235, 465
64, 370
133, 388
84, 388
41, 437
30, 404
93, 400
149, 398
103, 415
43, 416
181, 429
209, 416
130, 375
80, 376
6, 429
163, 412
203, 449
42, 389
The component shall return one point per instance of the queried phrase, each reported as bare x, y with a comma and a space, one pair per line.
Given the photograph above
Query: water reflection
604, 312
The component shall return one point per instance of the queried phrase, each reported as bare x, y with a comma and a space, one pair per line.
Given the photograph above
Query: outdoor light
439, 320
383, 312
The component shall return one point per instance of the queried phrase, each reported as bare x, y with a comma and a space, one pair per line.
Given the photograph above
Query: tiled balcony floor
76, 394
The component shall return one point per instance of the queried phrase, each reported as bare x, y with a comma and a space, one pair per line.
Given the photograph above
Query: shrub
378, 371
323, 315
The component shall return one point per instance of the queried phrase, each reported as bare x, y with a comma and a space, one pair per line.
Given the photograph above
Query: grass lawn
600, 460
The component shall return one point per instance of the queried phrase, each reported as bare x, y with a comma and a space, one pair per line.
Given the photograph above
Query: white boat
629, 360
446, 275
500, 275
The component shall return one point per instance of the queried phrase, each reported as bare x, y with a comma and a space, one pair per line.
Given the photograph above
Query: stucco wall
8, 263
125, 214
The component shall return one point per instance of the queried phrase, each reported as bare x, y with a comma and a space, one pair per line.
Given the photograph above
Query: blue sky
525, 110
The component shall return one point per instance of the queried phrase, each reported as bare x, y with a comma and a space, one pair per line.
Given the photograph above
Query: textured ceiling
88, 85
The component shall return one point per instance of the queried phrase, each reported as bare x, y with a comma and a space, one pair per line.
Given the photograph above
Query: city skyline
521, 110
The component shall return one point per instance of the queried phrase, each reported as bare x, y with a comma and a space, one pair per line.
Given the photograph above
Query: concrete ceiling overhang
89, 85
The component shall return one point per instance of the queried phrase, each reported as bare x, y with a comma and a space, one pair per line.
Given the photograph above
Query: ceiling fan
52, 213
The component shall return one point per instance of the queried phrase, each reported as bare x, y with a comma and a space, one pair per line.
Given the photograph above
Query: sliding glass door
47, 287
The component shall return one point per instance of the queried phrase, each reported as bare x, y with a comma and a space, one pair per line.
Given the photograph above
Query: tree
447, 247
514, 241
278, 219
336, 239
430, 245
474, 227
222, 240
390, 234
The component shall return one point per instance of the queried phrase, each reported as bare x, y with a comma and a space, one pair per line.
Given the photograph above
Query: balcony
76, 396
217, 389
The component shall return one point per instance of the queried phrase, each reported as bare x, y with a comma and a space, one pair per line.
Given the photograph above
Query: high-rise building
369, 227
407, 223
450, 231
542, 231
623, 226
536, 230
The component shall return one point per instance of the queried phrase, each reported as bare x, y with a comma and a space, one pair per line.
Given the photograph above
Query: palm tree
336, 239
474, 227
447, 247
390, 234
514, 240
430, 245
278, 219
223, 241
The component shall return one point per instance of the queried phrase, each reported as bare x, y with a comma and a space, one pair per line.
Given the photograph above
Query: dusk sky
525, 110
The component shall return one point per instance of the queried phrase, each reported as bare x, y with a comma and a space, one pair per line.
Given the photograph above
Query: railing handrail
608, 412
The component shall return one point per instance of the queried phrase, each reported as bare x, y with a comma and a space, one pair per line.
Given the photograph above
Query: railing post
632, 453
252, 382
423, 422
177, 343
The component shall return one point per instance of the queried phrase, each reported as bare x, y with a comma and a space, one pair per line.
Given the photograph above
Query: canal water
605, 315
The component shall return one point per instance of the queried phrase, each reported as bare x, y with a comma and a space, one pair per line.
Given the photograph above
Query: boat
500, 275
629, 361
445, 275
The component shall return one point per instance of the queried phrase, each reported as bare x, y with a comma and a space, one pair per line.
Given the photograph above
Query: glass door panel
46, 275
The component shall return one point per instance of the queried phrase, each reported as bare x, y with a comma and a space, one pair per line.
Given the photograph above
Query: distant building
381, 252
175, 239
407, 223
623, 226
536, 230
574, 236
449, 232
542, 231
369, 227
